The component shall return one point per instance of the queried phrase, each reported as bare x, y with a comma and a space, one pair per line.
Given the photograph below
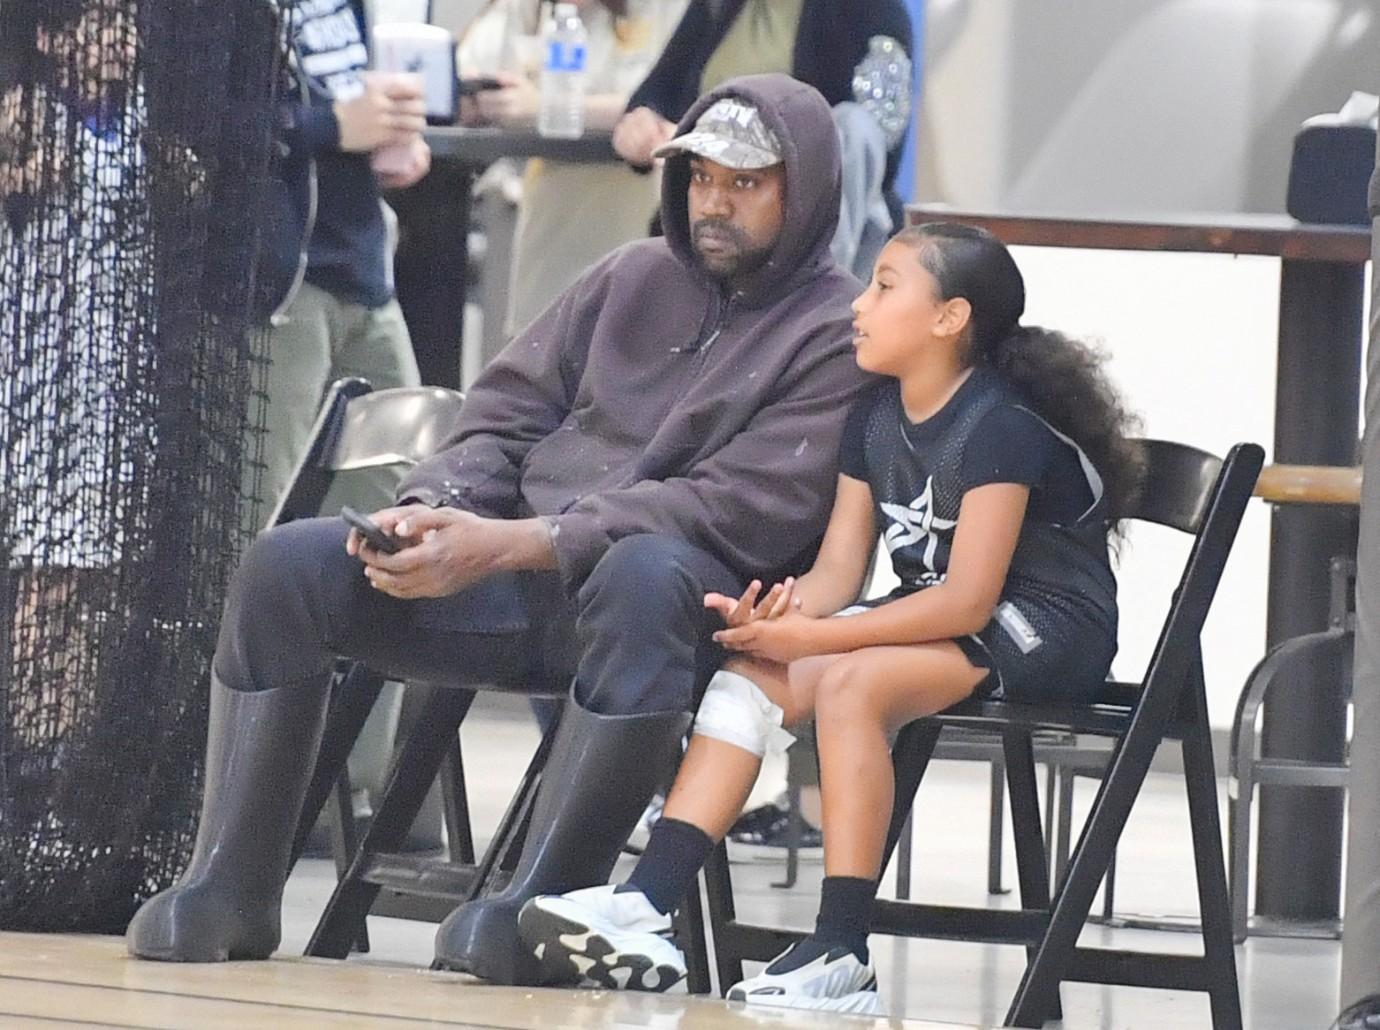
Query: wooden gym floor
53, 980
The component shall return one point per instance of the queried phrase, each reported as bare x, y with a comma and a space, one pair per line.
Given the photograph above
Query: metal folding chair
1200, 495
359, 428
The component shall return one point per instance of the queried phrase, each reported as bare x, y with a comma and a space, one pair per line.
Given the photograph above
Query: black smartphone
469, 87
369, 529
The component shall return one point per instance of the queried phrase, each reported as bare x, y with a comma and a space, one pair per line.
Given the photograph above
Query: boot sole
571, 951
507, 975
206, 956
204, 959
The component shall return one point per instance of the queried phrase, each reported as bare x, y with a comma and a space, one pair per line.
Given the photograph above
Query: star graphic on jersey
914, 523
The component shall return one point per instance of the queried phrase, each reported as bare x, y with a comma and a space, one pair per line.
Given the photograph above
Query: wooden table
484, 146
1317, 398
434, 227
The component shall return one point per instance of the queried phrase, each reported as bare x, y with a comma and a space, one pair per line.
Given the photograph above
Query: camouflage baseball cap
731, 133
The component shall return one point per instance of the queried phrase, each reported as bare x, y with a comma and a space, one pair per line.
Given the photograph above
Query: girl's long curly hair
1064, 380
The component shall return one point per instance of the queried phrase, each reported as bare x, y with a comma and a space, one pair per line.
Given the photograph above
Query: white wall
1192, 344
1134, 105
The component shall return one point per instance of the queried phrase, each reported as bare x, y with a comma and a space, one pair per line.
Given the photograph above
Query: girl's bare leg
716, 777
861, 699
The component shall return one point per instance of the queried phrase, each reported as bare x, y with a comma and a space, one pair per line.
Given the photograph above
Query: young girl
986, 459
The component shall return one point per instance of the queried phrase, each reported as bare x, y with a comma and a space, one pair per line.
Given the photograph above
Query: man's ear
955, 317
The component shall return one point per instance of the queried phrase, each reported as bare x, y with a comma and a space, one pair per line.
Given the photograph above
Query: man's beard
743, 259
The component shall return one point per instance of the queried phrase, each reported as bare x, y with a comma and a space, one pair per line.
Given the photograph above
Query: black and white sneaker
762, 834
812, 975
604, 936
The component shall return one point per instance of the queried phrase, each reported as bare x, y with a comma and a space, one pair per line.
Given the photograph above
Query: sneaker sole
571, 951
866, 1003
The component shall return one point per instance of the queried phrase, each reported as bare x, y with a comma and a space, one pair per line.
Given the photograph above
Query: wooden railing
1310, 484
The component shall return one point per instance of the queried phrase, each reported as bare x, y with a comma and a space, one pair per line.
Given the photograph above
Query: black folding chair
359, 428
1185, 489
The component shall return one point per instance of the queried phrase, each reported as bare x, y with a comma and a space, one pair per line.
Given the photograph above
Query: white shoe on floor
612, 938
809, 975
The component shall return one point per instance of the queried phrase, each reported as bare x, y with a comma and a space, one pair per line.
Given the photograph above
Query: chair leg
905, 857
1052, 783
794, 828
1109, 891
1064, 823
455, 799
1032, 862
505, 849
351, 702
689, 925
910, 758
412, 774
344, 838
1218, 949
1240, 800
995, 825
718, 884
1039, 985
344, 841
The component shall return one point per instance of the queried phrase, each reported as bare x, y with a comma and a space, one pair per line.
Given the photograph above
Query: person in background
76, 303
570, 215
327, 266
855, 52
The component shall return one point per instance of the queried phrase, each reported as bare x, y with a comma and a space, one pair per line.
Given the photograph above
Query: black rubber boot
260, 751
602, 772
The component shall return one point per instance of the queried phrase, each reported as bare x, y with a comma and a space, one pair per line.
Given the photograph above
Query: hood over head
800, 121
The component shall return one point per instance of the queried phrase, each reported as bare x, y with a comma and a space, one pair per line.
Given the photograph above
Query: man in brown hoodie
669, 427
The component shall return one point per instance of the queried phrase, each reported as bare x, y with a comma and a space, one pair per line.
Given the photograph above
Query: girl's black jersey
1057, 616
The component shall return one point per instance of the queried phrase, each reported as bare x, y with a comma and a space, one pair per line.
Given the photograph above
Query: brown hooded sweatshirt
648, 399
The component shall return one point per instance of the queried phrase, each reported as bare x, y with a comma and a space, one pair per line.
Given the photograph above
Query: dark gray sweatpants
636, 636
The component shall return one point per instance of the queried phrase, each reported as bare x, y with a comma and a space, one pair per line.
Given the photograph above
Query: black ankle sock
845, 911
667, 869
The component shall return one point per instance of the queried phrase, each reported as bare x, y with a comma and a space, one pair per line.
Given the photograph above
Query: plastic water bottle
565, 44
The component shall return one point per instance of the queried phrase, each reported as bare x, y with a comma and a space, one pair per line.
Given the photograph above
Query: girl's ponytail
1064, 380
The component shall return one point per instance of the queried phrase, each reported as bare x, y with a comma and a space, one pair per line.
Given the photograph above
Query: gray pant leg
864, 221
644, 633
298, 600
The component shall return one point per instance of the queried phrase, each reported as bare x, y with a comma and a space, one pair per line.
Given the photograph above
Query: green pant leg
374, 344
299, 363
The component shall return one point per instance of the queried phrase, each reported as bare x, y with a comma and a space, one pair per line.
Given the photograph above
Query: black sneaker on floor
762, 834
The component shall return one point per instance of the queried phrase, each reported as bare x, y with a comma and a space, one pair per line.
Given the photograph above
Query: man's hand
449, 550
782, 639
398, 167
514, 104
389, 111
739, 611
638, 133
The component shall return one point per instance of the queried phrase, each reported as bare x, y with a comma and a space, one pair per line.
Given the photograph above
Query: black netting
135, 141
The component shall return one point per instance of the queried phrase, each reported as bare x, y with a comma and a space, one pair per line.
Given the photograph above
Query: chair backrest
358, 428
1178, 485
1195, 492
